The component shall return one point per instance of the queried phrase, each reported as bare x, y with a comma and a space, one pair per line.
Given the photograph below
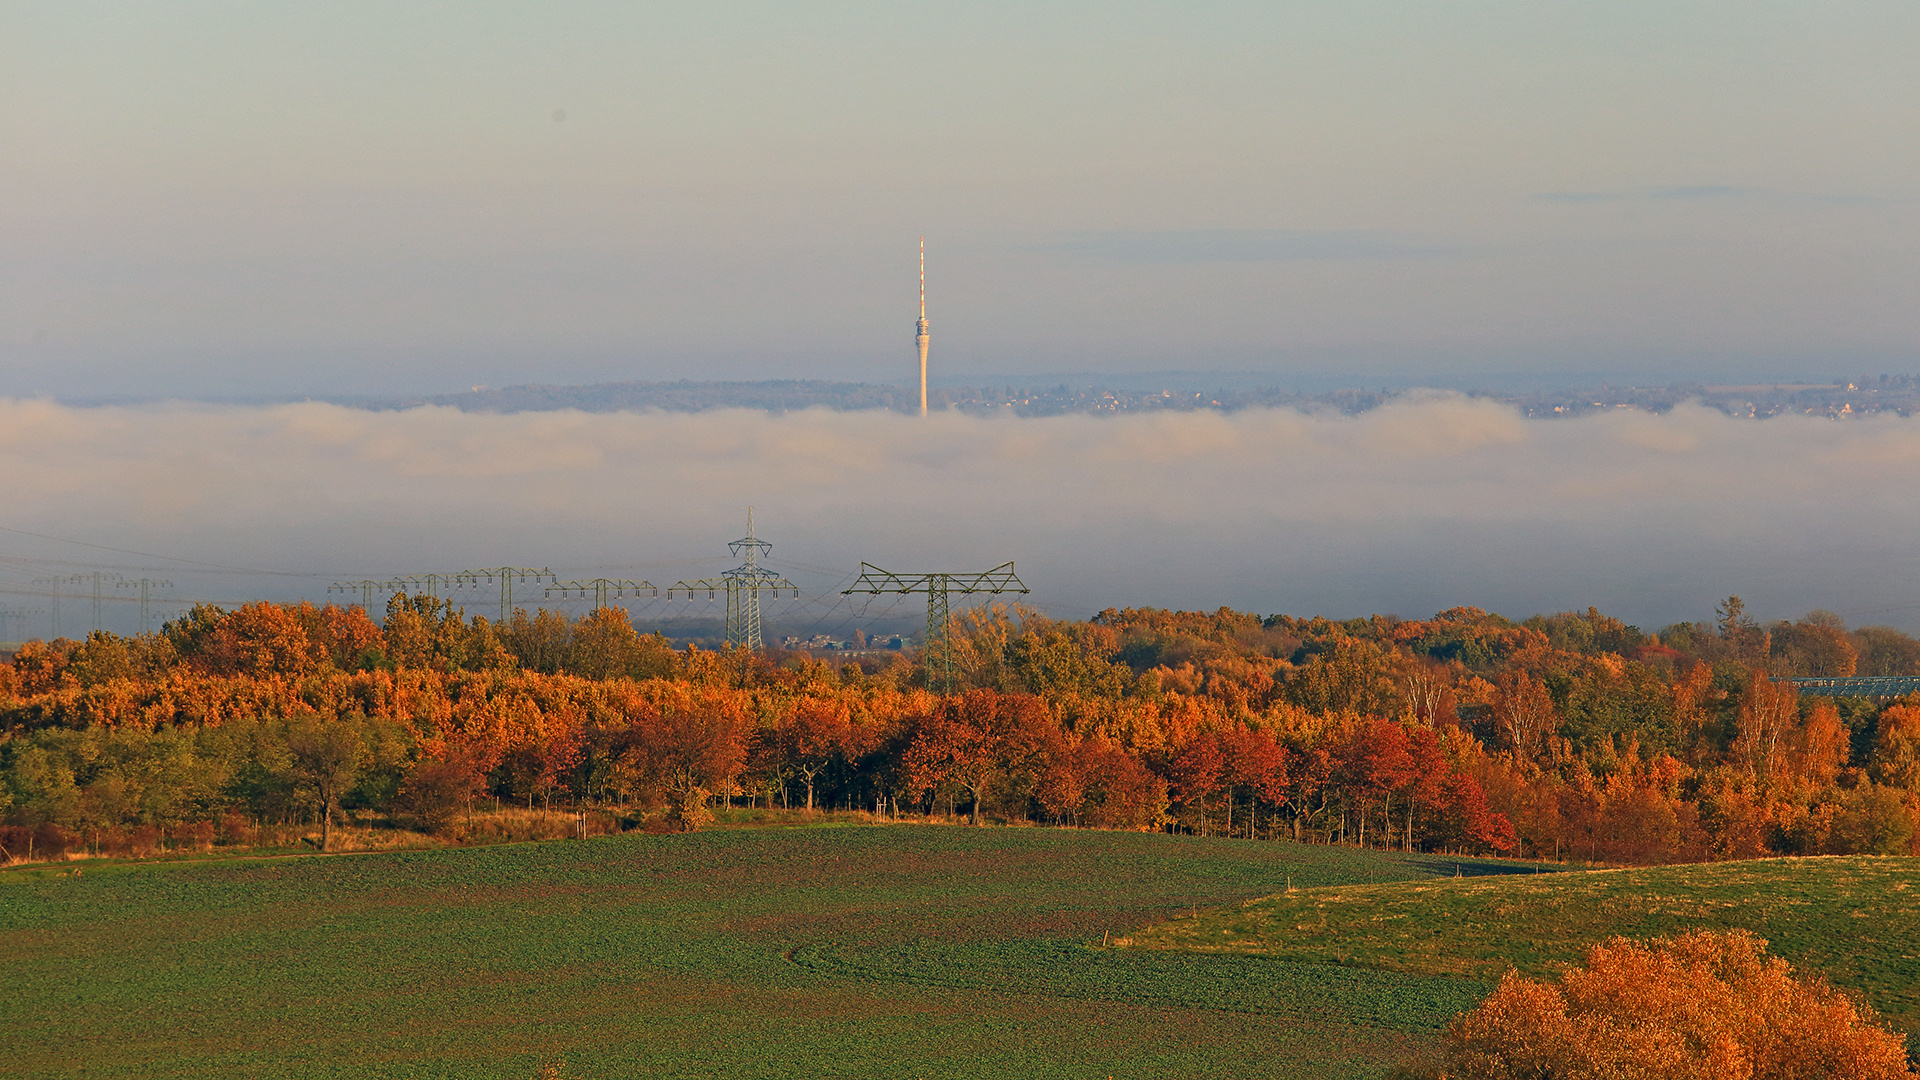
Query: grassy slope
1855, 919
857, 951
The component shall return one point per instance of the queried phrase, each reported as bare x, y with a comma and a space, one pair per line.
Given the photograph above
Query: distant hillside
778, 395
1841, 399
784, 395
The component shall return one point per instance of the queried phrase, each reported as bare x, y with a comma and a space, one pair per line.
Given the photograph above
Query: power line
151, 555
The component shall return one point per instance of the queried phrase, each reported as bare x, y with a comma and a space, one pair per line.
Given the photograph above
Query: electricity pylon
937, 586
364, 587
146, 587
98, 577
743, 584
600, 587
15, 614
506, 576
425, 584
53, 596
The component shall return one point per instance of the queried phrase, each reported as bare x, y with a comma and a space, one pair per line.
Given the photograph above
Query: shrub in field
689, 810
194, 835
437, 790
21, 842
236, 828
1699, 1006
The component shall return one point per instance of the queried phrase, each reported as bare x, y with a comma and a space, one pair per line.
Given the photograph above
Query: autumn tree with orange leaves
1568, 735
1703, 1005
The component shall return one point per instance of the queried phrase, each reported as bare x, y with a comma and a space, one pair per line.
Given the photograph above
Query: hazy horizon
1425, 503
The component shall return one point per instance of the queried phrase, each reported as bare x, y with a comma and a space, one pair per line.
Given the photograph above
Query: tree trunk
326, 825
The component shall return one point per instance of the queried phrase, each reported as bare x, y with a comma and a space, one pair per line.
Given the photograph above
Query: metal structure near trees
743, 585
11, 615
601, 588
938, 586
53, 596
436, 585
419, 584
364, 587
505, 576
146, 587
99, 578
1855, 685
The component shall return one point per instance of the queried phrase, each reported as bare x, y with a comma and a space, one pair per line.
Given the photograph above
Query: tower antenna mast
920, 332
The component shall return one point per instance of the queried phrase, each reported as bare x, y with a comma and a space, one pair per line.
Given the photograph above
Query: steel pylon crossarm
997, 580
743, 600
938, 586
619, 588
364, 587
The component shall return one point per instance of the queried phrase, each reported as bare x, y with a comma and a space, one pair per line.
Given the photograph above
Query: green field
886, 951
830, 951
1855, 919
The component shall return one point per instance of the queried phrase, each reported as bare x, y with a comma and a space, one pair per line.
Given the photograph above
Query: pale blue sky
215, 199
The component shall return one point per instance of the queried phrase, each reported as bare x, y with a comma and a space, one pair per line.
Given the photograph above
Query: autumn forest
1571, 736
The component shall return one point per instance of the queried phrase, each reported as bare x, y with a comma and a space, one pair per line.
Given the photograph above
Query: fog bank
1411, 508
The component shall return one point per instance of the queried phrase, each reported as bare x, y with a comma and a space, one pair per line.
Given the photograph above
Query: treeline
1570, 736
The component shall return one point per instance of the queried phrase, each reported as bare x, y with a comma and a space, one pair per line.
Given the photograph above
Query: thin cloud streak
1429, 502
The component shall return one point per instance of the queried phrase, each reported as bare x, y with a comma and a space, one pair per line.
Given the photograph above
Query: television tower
920, 331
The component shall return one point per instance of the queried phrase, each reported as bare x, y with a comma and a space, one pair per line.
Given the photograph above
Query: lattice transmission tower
743, 585
601, 588
506, 576
433, 584
364, 587
938, 586
146, 587
16, 616
53, 600
423, 584
98, 578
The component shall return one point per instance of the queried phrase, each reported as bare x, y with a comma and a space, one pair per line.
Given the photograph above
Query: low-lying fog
1428, 503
